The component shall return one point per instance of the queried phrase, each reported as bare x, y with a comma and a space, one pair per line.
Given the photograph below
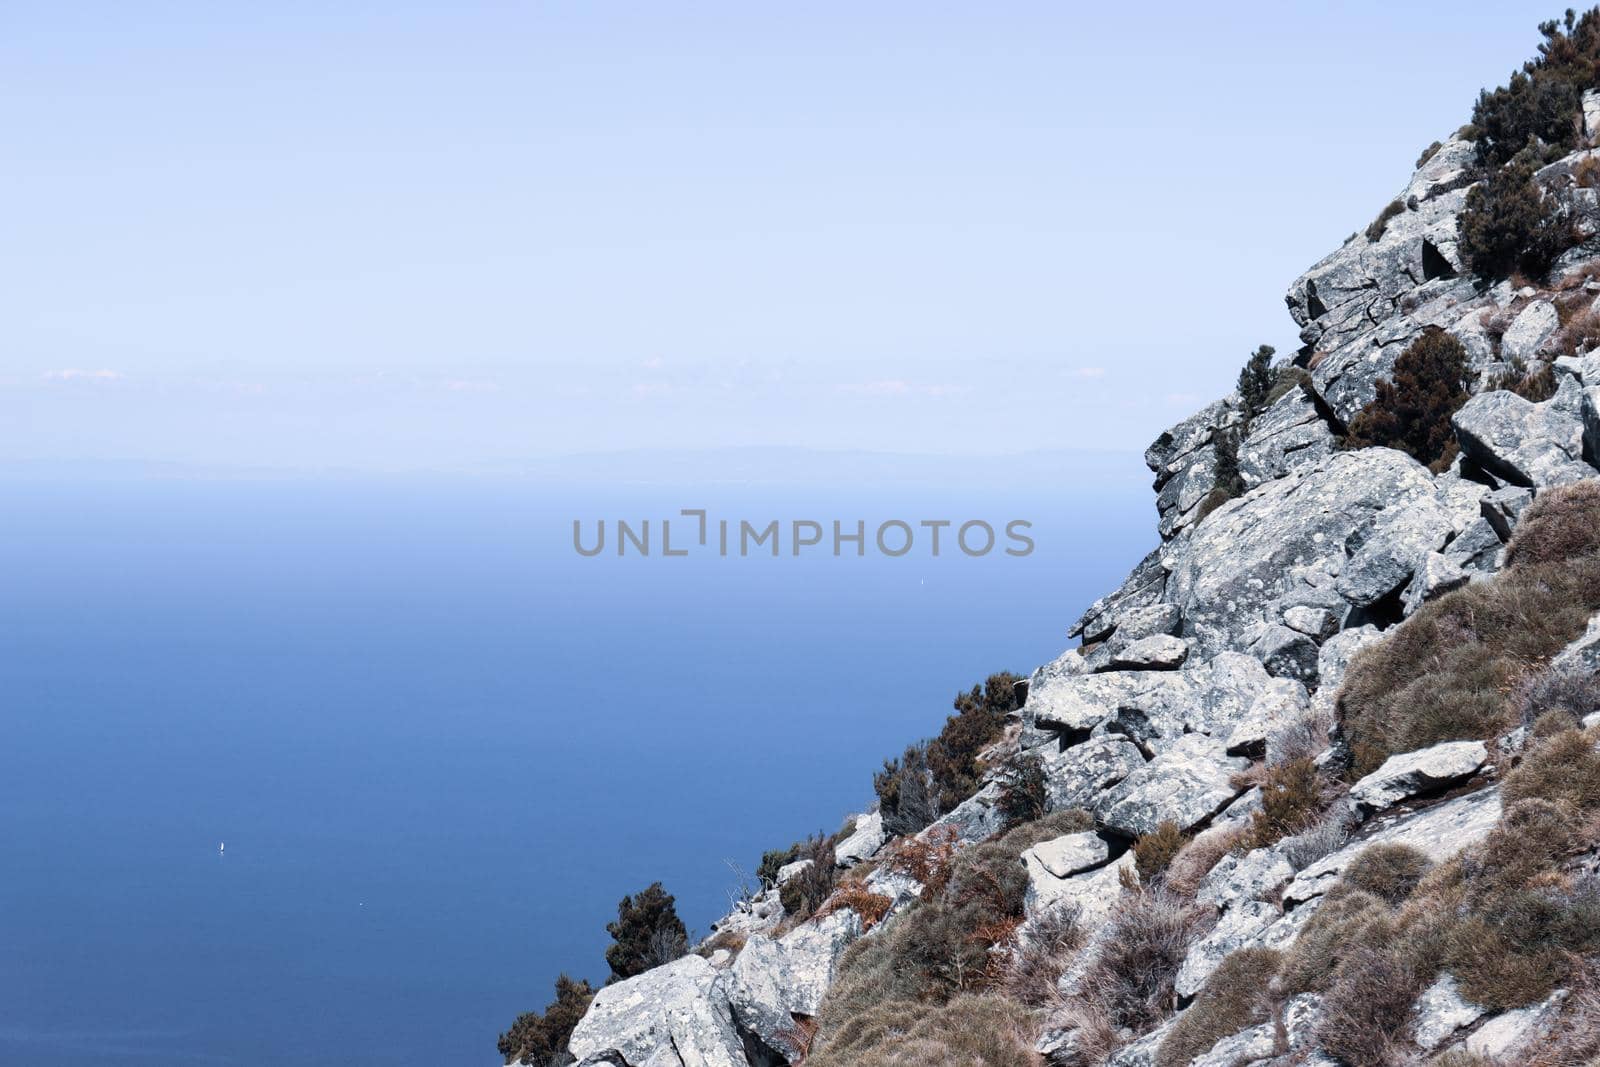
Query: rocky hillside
1320, 783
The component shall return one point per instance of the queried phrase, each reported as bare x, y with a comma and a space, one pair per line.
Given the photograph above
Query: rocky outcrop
773, 982
1525, 443
1416, 773
1186, 784
672, 1016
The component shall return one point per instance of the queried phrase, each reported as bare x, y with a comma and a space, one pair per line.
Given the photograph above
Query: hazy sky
407, 236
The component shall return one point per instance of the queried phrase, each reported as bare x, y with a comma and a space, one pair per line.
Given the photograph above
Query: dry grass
1568, 694
1561, 525
1563, 769
1449, 671
1237, 996
1128, 984
1389, 872
1155, 851
1303, 737
969, 1031
872, 907
1574, 1039
1196, 859
1042, 956
1293, 797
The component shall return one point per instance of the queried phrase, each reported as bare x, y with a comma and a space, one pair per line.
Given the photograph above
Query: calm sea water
438, 745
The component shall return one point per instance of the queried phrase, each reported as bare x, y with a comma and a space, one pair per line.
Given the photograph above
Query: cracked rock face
672, 1016
1413, 773
1527, 444
1237, 563
773, 981
1186, 784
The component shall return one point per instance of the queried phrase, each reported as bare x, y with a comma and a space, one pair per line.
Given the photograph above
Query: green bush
1541, 102
1412, 408
646, 930
1508, 223
1256, 380
540, 1038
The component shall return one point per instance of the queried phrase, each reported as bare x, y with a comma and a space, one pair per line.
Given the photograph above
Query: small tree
644, 919
979, 721
906, 792
1228, 478
540, 1038
1256, 381
1412, 410
1508, 223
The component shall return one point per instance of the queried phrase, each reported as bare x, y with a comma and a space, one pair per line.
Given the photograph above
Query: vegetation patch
541, 1037
1412, 408
1237, 996
1449, 672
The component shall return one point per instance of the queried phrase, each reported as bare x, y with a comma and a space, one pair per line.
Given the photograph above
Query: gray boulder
1281, 702
672, 1016
1440, 1013
1437, 575
1414, 773
1076, 776
863, 843
1244, 559
1583, 654
1476, 548
1239, 879
1285, 652
1158, 652
974, 819
1094, 893
1287, 436
1068, 855
1524, 443
1238, 927
1187, 784
1142, 588
1439, 832
1534, 325
773, 981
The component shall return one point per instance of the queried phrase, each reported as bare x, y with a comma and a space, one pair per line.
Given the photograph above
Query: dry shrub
1533, 384
806, 891
1293, 796
1381, 223
1580, 332
1323, 838
927, 859
1153, 852
1389, 872
982, 1031
1574, 1038
1569, 693
1564, 769
1196, 859
872, 907
1366, 1008
1446, 673
1237, 996
1305, 736
1586, 172
1042, 955
1462, 1058
1128, 984
1344, 921
731, 940
1561, 525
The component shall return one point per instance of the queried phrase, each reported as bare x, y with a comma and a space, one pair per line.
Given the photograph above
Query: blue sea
438, 744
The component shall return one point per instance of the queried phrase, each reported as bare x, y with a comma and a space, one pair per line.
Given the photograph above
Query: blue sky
401, 236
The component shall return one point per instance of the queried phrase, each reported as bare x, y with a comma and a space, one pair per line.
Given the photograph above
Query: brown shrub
1569, 694
1042, 955
1344, 921
1564, 769
987, 1030
1560, 525
1237, 996
1388, 871
927, 859
1574, 1038
1196, 859
806, 891
1368, 1004
1445, 674
872, 907
1533, 385
1129, 982
1153, 852
1378, 225
1292, 800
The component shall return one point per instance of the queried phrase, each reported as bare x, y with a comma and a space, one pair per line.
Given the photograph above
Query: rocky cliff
1244, 857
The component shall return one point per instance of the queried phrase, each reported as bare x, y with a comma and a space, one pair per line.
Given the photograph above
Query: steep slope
1320, 784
